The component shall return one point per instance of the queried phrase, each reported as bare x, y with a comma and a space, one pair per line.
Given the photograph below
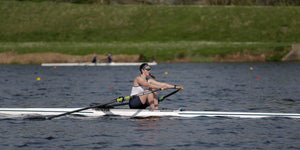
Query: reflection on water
146, 124
149, 129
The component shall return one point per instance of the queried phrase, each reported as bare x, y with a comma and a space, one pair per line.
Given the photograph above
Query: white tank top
138, 89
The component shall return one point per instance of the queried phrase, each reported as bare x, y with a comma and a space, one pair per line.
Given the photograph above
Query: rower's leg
151, 101
155, 98
143, 99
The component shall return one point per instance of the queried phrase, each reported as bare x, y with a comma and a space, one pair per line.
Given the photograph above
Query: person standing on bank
109, 58
95, 59
143, 83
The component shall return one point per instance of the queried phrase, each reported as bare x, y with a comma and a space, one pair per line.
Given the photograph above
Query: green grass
46, 21
167, 32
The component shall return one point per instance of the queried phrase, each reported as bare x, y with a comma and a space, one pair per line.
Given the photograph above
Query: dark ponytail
152, 76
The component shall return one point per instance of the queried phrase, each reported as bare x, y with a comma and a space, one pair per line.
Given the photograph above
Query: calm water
269, 87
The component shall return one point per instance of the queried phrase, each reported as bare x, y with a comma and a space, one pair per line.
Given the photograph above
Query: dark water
269, 87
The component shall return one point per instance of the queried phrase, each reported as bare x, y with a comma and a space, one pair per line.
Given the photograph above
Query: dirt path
12, 57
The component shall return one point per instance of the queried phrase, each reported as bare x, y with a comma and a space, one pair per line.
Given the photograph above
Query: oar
114, 105
161, 98
120, 99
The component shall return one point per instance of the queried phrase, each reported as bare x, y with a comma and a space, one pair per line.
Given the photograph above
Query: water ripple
207, 86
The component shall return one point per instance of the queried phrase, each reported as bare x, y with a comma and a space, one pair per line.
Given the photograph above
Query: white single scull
97, 64
19, 112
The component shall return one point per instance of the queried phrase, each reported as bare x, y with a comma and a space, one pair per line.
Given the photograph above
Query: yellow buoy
166, 73
251, 68
38, 78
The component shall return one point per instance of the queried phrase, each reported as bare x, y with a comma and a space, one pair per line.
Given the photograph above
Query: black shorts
135, 103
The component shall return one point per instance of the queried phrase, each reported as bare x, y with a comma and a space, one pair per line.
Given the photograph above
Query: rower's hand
179, 87
165, 87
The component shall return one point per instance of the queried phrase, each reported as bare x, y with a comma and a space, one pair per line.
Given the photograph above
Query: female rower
143, 83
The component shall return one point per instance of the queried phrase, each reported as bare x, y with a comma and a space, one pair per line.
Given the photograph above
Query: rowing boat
19, 112
97, 64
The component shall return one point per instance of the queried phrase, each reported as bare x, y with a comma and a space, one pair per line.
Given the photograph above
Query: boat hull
96, 64
18, 112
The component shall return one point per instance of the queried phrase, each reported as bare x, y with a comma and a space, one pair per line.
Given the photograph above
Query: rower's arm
142, 82
155, 84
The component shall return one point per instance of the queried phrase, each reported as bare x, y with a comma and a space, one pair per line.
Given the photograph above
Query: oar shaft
67, 113
114, 105
78, 110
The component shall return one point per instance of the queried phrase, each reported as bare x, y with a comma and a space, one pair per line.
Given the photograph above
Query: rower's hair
143, 66
152, 76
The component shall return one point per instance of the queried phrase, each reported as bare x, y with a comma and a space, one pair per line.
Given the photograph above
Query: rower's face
147, 70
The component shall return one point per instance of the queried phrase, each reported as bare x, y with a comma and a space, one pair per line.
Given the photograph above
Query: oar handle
161, 98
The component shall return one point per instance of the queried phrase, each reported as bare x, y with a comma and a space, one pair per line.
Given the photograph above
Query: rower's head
144, 67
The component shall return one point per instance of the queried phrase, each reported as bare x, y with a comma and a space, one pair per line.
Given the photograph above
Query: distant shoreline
174, 51
39, 58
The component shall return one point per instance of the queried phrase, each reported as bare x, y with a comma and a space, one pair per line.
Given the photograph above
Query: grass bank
167, 32
46, 21
188, 51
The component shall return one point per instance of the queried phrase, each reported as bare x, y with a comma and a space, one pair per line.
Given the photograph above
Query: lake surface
254, 87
